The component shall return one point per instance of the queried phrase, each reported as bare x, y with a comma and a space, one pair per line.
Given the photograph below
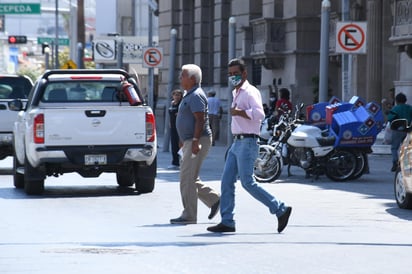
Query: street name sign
50, 40
20, 8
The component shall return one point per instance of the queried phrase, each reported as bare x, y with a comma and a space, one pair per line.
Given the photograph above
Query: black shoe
213, 210
181, 221
394, 167
283, 220
219, 228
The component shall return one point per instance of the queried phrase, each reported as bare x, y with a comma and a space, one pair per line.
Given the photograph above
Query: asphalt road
90, 226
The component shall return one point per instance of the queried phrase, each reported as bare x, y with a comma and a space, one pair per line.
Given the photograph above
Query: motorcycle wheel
341, 165
268, 165
360, 165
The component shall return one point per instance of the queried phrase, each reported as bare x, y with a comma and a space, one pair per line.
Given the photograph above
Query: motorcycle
295, 143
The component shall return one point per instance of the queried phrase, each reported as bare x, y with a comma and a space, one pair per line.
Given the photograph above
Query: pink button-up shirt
247, 98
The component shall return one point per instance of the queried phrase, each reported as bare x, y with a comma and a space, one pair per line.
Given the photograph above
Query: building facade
280, 40
401, 38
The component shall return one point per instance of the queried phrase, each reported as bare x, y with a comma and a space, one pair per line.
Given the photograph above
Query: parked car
11, 87
403, 175
84, 121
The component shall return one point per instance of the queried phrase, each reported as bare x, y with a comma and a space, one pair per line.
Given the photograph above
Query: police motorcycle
295, 143
266, 129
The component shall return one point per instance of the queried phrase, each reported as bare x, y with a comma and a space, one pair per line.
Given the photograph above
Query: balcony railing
268, 42
401, 33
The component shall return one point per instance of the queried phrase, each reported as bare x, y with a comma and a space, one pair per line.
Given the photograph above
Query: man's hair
400, 98
193, 70
178, 91
238, 62
284, 93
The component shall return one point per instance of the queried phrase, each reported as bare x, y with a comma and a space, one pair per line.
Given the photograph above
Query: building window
256, 74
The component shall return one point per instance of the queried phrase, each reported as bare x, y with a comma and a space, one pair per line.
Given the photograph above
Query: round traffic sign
351, 37
152, 57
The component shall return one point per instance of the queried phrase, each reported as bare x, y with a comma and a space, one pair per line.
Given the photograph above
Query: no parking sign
351, 37
153, 58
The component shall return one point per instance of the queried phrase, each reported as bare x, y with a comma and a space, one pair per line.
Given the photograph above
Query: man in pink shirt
247, 115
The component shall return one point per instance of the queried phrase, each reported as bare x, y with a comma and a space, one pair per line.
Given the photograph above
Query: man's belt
243, 136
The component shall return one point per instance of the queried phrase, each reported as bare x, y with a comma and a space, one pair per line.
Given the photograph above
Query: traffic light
17, 39
44, 45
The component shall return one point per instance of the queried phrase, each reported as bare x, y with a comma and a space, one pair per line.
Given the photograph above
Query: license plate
95, 159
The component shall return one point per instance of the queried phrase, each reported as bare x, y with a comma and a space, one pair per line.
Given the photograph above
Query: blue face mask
235, 80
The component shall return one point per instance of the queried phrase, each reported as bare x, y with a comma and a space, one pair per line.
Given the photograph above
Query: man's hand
238, 112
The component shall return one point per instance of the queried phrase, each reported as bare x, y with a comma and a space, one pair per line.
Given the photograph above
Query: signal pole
56, 40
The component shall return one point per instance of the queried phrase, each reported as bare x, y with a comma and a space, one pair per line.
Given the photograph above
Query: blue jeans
240, 163
397, 139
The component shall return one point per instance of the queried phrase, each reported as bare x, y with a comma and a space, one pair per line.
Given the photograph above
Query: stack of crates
316, 113
354, 123
358, 126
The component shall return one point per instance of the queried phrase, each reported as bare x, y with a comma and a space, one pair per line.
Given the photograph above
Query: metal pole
166, 139
57, 35
52, 49
47, 58
346, 60
73, 31
324, 52
119, 53
150, 70
80, 53
232, 54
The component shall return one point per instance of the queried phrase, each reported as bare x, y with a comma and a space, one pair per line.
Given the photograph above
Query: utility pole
324, 52
151, 70
56, 40
81, 37
346, 60
81, 33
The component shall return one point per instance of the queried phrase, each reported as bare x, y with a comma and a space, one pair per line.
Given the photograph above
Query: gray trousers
191, 187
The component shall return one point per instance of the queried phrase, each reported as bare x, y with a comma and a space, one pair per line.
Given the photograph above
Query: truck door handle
95, 113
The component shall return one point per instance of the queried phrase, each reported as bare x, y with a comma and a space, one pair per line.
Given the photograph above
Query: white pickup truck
11, 87
81, 121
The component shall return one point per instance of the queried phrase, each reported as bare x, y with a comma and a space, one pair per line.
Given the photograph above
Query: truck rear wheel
126, 176
145, 177
33, 179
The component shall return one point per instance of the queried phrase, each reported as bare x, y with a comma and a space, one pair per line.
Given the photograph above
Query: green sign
20, 8
50, 40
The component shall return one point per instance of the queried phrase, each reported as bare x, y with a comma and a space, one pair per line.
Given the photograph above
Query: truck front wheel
18, 178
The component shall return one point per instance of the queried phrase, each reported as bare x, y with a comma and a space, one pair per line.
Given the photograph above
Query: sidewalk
379, 147
212, 168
